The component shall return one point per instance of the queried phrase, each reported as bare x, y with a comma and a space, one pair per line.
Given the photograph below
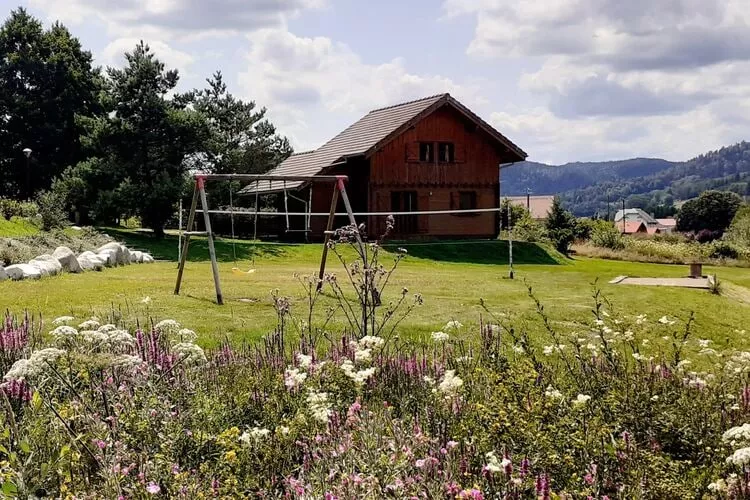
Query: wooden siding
476, 158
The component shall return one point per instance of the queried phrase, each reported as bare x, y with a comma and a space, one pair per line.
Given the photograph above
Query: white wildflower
189, 353
20, 370
664, 320
186, 335
553, 393
640, 319
708, 352
450, 384
704, 342
146, 300
91, 324
740, 457
655, 398
47, 355
283, 430
294, 378
371, 342
519, 349
605, 314
167, 326
607, 330
119, 339
737, 435
592, 347
453, 325
319, 406
62, 320
362, 355
63, 332
493, 464
628, 336
107, 328
259, 433
599, 322
93, 336
127, 361
581, 400
548, 350
440, 336
359, 377
717, 486
304, 361
429, 380
639, 357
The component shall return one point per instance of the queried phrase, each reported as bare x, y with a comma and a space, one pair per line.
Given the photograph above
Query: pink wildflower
100, 444
153, 488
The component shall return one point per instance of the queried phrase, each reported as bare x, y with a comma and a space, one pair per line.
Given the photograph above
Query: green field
452, 277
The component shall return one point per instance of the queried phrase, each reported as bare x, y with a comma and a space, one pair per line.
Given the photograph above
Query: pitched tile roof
632, 227
364, 136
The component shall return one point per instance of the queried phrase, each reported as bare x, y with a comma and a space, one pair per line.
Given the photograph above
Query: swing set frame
199, 193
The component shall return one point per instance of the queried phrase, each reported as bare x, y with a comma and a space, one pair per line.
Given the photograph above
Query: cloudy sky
566, 80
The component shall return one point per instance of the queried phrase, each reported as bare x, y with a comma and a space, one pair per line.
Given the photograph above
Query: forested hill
586, 188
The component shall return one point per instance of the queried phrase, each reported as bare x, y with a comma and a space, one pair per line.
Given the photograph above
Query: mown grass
451, 277
16, 227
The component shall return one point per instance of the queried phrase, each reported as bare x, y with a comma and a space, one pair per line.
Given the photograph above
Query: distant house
633, 215
632, 227
425, 155
538, 206
653, 226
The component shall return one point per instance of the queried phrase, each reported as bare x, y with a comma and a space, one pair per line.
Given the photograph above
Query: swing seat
239, 271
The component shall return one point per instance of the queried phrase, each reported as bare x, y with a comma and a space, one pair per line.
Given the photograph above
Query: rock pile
63, 260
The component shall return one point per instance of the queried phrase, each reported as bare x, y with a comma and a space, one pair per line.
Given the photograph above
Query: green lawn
452, 277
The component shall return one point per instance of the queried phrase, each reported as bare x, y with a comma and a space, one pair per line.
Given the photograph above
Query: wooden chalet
429, 154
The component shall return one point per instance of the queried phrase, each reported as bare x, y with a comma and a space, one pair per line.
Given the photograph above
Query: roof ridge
303, 152
444, 94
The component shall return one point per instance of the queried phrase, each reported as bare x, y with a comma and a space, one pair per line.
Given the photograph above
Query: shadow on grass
166, 248
480, 252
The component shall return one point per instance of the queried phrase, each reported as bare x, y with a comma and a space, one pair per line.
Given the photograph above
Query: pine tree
561, 226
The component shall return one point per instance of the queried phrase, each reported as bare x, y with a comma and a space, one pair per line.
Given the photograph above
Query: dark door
405, 201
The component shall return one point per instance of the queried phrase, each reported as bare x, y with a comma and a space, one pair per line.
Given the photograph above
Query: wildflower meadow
621, 406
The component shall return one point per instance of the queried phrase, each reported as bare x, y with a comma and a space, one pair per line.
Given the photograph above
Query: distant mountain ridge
587, 188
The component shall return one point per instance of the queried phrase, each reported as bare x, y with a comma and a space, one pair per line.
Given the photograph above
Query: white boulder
3, 275
108, 257
23, 272
67, 259
121, 258
136, 257
89, 261
147, 259
47, 265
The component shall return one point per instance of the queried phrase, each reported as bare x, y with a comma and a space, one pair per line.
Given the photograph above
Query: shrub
51, 211
561, 226
12, 208
605, 235
739, 230
527, 229
706, 236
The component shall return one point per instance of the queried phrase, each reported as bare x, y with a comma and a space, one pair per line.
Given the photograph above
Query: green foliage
12, 208
51, 211
561, 226
517, 212
139, 151
604, 234
739, 231
712, 211
651, 184
529, 230
240, 139
46, 83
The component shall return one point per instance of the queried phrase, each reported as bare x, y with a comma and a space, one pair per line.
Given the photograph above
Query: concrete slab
701, 283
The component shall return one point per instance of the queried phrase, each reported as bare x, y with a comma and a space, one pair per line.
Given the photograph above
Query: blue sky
567, 80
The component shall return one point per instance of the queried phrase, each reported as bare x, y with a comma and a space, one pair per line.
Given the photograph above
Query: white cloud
620, 78
178, 18
114, 54
306, 82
